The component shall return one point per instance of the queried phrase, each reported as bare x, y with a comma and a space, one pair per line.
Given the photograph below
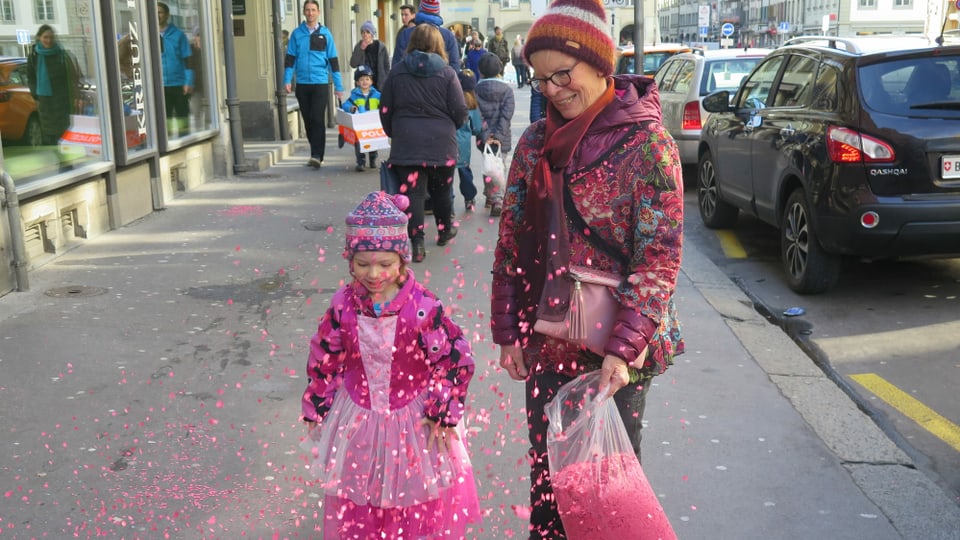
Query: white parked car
684, 80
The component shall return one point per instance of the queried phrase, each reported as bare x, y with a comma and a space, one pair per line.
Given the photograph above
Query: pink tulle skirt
380, 480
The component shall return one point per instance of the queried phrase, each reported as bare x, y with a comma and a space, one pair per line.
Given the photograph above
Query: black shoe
419, 252
359, 167
373, 163
496, 210
446, 235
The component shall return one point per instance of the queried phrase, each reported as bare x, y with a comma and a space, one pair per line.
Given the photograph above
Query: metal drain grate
316, 226
75, 291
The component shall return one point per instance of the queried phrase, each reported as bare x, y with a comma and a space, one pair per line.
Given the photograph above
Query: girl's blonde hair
468, 96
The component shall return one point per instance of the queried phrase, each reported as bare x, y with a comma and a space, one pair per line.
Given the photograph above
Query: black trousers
415, 183
541, 387
313, 100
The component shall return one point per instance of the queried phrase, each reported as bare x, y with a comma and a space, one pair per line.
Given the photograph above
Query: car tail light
845, 145
691, 116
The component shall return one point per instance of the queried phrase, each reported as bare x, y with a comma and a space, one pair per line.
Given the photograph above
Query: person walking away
516, 57
53, 75
175, 53
603, 149
465, 137
496, 101
498, 46
421, 108
312, 56
363, 98
429, 13
371, 52
388, 374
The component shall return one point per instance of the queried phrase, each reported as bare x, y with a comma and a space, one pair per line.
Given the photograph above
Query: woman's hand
511, 359
440, 434
613, 375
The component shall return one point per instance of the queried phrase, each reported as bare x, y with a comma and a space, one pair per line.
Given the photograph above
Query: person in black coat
421, 108
53, 75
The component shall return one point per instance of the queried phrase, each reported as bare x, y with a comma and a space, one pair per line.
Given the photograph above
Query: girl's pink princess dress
369, 453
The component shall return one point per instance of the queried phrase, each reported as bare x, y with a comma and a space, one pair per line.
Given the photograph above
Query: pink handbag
592, 313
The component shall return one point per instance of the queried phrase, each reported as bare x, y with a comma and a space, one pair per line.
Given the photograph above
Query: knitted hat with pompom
378, 223
575, 27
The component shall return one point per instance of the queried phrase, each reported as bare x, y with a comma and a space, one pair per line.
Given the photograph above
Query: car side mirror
717, 102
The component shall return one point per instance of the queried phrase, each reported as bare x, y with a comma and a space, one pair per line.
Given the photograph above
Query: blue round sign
727, 28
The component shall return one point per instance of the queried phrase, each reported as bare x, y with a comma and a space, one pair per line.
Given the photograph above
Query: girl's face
586, 84
378, 271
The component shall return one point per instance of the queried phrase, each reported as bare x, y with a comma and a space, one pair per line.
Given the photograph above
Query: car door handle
788, 131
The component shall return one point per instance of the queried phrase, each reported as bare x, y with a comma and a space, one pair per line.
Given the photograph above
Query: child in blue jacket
363, 98
465, 134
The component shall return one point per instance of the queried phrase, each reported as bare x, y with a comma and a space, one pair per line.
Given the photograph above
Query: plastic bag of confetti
601, 490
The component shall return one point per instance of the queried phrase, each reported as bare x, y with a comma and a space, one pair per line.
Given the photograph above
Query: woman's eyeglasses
559, 79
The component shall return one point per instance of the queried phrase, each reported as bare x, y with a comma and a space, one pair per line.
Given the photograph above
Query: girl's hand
440, 435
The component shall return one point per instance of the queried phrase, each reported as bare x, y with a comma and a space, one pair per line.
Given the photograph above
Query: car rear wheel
33, 134
714, 212
810, 269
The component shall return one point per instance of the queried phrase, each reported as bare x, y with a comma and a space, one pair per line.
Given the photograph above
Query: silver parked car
684, 80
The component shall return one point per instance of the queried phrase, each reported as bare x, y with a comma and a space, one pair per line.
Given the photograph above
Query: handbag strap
594, 237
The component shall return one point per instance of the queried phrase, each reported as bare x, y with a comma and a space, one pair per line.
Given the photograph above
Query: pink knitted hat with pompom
378, 223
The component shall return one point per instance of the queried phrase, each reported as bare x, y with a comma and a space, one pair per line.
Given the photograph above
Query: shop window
184, 67
49, 108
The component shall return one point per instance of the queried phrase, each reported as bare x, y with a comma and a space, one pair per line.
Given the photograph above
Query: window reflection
45, 77
183, 63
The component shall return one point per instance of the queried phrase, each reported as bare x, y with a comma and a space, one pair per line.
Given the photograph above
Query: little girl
388, 375
465, 134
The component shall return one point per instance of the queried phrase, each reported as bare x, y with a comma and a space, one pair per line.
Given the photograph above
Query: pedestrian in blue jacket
312, 55
175, 52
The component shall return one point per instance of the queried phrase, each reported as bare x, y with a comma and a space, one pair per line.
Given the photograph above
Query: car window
684, 77
653, 60
912, 86
665, 76
726, 74
19, 76
796, 85
826, 91
756, 89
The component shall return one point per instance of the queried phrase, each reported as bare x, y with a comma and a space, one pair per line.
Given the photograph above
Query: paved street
150, 386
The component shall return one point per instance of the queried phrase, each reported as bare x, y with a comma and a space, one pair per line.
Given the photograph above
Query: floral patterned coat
430, 354
626, 181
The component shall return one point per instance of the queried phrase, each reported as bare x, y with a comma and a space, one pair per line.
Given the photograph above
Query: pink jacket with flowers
625, 179
430, 355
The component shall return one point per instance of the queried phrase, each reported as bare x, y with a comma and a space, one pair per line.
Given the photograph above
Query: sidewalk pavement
150, 386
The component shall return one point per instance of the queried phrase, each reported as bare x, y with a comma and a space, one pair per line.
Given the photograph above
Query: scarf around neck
44, 88
545, 254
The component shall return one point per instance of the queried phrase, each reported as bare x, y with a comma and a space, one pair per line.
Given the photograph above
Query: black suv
849, 146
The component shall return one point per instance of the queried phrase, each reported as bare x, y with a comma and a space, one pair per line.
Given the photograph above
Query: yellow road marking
927, 418
730, 245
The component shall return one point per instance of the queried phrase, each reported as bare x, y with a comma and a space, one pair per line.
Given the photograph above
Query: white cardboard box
363, 127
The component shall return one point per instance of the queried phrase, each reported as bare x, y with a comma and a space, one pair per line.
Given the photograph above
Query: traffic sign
704, 30
727, 29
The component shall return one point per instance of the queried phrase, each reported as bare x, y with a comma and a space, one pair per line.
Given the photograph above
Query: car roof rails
832, 42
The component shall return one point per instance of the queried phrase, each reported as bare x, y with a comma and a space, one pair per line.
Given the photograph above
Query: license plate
950, 167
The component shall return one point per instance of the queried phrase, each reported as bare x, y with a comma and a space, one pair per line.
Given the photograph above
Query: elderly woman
597, 183
421, 108
370, 51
